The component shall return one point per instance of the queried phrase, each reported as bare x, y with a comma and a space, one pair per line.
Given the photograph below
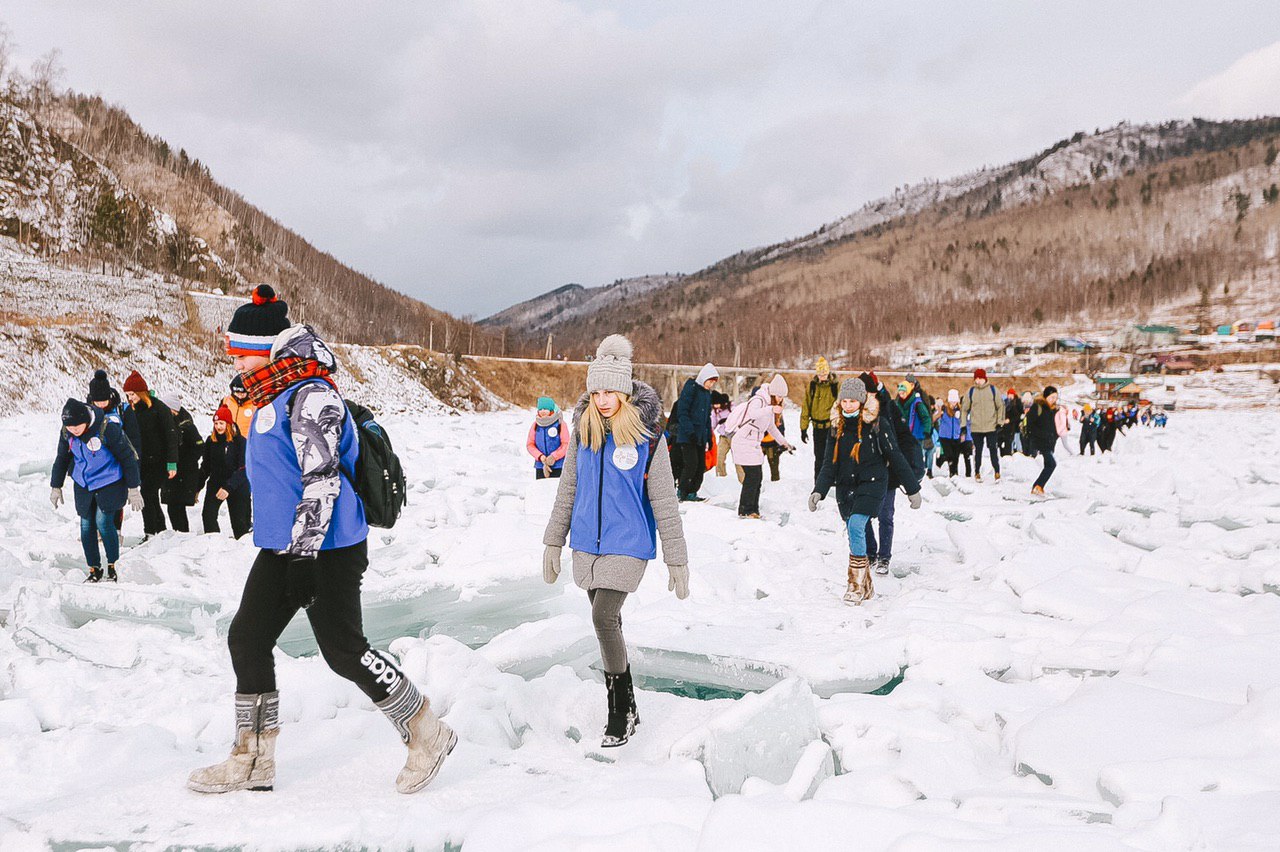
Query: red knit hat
223, 413
1012, 392
136, 383
979, 373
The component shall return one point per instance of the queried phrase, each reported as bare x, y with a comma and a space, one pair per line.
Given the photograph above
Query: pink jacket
532, 444
1061, 421
750, 422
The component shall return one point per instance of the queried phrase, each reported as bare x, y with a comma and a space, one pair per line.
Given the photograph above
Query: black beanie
76, 413
1050, 391
254, 326
99, 387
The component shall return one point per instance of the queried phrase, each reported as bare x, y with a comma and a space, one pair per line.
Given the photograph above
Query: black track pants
335, 618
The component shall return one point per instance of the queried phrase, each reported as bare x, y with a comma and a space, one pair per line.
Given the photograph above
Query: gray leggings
606, 616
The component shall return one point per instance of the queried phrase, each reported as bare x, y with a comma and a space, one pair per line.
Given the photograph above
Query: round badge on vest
625, 458
553, 432
94, 444
266, 419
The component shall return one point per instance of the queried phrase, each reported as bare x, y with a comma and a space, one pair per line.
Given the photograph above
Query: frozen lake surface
1093, 671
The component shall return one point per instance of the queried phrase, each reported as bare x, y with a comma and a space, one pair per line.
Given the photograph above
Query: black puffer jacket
862, 482
903, 440
222, 465
158, 437
184, 487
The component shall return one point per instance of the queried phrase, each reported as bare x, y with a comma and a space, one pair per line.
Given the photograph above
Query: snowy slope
573, 300
1095, 671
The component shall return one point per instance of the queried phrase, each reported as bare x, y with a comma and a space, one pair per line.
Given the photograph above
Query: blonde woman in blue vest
616, 495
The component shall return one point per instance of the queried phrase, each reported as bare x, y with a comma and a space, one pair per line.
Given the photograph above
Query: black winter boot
620, 725
95, 574
111, 573
633, 713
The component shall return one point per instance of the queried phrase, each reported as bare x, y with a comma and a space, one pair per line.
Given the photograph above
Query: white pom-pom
614, 346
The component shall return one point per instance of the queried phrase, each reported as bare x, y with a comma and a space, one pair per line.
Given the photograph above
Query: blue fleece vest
275, 480
611, 510
548, 443
94, 466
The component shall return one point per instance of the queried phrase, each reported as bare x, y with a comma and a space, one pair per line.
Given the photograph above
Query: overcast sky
474, 154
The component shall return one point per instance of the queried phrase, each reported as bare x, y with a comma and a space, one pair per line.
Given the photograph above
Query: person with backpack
311, 528
1013, 412
984, 416
1089, 430
952, 433
157, 449
1024, 438
748, 423
104, 469
816, 407
183, 489
1046, 423
105, 398
915, 411
861, 453
223, 475
880, 548
547, 441
615, 499
693, 430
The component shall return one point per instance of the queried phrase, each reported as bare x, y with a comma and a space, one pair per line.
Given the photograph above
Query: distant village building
1115, 387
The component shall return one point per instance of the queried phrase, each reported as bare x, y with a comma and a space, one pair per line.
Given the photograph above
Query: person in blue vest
107, 399
309, 524
104, 468
547, 441
616, 497
919, 421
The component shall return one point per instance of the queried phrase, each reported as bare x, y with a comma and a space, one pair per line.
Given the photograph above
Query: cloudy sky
474, 154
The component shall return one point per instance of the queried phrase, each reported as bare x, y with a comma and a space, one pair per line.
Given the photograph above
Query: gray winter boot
252, 764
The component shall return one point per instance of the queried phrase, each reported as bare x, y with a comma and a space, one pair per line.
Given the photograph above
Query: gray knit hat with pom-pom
611, 369
853, 389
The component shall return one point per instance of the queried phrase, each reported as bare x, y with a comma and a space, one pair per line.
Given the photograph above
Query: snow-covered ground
1089, 672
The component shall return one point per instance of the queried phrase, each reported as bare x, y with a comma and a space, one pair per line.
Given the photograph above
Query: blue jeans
884, 549
857, 525
99, 523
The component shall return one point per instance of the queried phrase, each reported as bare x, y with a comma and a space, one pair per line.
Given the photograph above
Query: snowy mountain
574, 301
1104, 227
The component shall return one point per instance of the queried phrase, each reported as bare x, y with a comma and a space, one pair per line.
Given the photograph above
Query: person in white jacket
747, 424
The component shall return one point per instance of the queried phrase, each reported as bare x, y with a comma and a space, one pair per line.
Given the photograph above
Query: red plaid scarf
266, 383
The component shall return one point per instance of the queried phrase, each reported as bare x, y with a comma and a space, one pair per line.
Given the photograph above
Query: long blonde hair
625, 424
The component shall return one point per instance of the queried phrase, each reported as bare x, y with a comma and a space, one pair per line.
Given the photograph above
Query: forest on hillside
1183, 225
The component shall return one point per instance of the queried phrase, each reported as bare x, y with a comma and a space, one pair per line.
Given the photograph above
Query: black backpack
379, 478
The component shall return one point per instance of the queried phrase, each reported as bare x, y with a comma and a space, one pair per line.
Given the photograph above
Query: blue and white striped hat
254, 326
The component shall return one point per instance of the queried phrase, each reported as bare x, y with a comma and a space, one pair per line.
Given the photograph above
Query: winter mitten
55, 497
551, 564
300, 581
814, 499
135, 499
915, 499
804, 436
679, 580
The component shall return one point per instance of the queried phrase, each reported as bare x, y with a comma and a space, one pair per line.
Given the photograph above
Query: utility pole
431, 338
548, 347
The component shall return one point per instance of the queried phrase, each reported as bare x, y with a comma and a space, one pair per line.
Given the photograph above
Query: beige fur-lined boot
252, 764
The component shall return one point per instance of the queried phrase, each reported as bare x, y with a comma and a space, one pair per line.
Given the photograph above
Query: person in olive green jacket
819, 399
982, 411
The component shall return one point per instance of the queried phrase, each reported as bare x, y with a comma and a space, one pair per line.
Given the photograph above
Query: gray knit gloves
551, 564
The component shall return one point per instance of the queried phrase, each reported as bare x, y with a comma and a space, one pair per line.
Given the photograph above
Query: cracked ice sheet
103, 750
